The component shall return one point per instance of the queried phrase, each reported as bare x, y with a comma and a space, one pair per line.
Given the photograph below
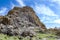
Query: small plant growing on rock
5, 21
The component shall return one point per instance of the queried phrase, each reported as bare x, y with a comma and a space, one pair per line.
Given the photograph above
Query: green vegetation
5, 37
44, 35
39, 36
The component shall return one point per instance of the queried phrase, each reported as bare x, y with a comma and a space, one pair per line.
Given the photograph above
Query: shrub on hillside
58, 32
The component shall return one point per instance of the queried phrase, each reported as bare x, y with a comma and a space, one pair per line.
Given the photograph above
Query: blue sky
47, 10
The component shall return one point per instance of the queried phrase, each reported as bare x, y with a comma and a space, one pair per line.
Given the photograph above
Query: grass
39, 36
5, 37
42, 36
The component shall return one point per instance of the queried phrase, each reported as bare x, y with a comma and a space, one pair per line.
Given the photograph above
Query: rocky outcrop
30, 14
19, 21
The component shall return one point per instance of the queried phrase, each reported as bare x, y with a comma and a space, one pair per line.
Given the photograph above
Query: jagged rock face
18, 20
29, 13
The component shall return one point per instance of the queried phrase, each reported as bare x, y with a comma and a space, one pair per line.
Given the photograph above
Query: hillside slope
20, 20
30, 13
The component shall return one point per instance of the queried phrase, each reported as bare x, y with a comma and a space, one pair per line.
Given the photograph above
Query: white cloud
55, 1
42, 9
51, 20
2, 11
20, 2
12, 5
57, 21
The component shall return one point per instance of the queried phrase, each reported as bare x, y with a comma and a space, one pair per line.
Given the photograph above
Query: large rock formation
20, 20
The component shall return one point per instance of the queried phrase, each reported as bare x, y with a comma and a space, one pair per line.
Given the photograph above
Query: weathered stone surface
20, 21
